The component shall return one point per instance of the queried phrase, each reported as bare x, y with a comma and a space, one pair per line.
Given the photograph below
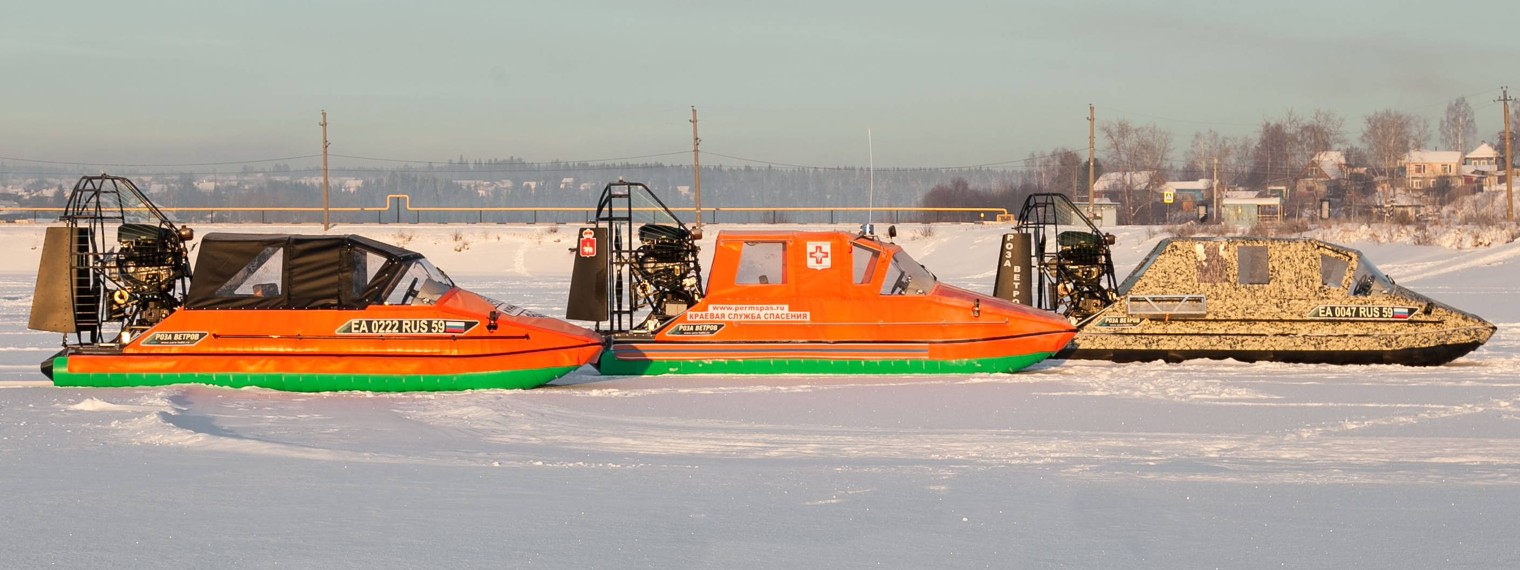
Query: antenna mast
696, 163
326, 221
871, 161
1091, 146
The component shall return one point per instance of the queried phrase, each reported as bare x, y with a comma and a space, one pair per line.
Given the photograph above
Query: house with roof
1138, 191
1427, 169
1481, 167
1187, 196
1325, 174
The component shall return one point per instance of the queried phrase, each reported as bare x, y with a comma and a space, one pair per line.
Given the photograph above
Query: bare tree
1322, 131
1056, 171
1285, 146
1459, 127
1390, 134
1232, 152
1277, 154
1132, 151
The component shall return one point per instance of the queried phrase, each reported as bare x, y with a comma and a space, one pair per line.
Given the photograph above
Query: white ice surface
1069, 464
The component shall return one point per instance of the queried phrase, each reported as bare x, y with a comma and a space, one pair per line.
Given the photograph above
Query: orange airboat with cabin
826, 302
288, 312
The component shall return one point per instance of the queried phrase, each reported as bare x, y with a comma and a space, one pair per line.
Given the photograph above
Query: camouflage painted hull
1277, 300
1422, 356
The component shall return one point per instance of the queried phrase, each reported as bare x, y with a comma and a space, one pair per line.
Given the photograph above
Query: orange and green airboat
785, 302
286, 312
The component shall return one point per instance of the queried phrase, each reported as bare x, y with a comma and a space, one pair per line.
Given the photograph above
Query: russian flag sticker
455, 327
1402, 312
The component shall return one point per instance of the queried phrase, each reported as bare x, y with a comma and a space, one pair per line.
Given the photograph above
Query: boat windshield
907, 277
1368, 280
420, 284
646, 209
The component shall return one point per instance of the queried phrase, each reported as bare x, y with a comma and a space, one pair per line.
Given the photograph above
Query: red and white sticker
819, 255
588, 243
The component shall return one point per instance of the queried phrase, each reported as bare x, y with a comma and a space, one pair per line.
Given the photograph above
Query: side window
1252, 264
864, 263
1332, 271
1211, 264
260, 278
762, 263
366, 265
895, 281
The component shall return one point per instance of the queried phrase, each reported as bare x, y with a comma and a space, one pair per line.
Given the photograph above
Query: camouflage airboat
1243, 298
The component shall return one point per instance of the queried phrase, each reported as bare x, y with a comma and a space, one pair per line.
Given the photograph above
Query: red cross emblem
818, 254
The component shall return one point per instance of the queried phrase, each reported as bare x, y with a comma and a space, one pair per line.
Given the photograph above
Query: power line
1024, 162
525, 163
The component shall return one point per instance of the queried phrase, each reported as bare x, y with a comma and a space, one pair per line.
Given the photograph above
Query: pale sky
944, 83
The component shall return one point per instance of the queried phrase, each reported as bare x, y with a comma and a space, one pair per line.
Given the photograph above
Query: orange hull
830, 302
453, 344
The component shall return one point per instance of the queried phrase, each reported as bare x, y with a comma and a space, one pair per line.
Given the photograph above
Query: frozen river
1070, 464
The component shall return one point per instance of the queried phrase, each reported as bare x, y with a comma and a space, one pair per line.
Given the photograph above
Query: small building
1189, 192
1113, 185
1426, 169
1324, 176
1481, 168
1251, 211
1484, 155
1105, 212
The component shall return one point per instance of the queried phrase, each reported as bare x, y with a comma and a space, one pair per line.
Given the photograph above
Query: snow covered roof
1201, 184
1272, 201
1122, 180
1331, 162
1483, 151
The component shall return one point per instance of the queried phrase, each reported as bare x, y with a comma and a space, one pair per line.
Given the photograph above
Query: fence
398, 209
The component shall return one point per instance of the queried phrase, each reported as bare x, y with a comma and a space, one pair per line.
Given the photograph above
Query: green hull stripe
611, 366
297, 382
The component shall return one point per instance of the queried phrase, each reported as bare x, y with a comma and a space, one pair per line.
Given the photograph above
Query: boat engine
666, 271
637, 267
1069, 259
115, 268
1078, 268
148, 263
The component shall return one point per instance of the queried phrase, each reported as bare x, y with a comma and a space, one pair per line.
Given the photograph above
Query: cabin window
865, 263
1368, 280
261, 277
906, 277
1332, 271
1252, 265
1210, 263
365, 267
420, 284
762, 263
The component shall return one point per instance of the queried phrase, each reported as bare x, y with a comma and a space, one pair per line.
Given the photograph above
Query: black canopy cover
281, 271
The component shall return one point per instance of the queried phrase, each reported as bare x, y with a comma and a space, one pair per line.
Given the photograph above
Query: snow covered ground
1069, 464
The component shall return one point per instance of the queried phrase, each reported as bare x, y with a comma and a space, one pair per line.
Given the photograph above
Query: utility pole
1214, 213
326, 221
1509, 171
1091, 148
696, 163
